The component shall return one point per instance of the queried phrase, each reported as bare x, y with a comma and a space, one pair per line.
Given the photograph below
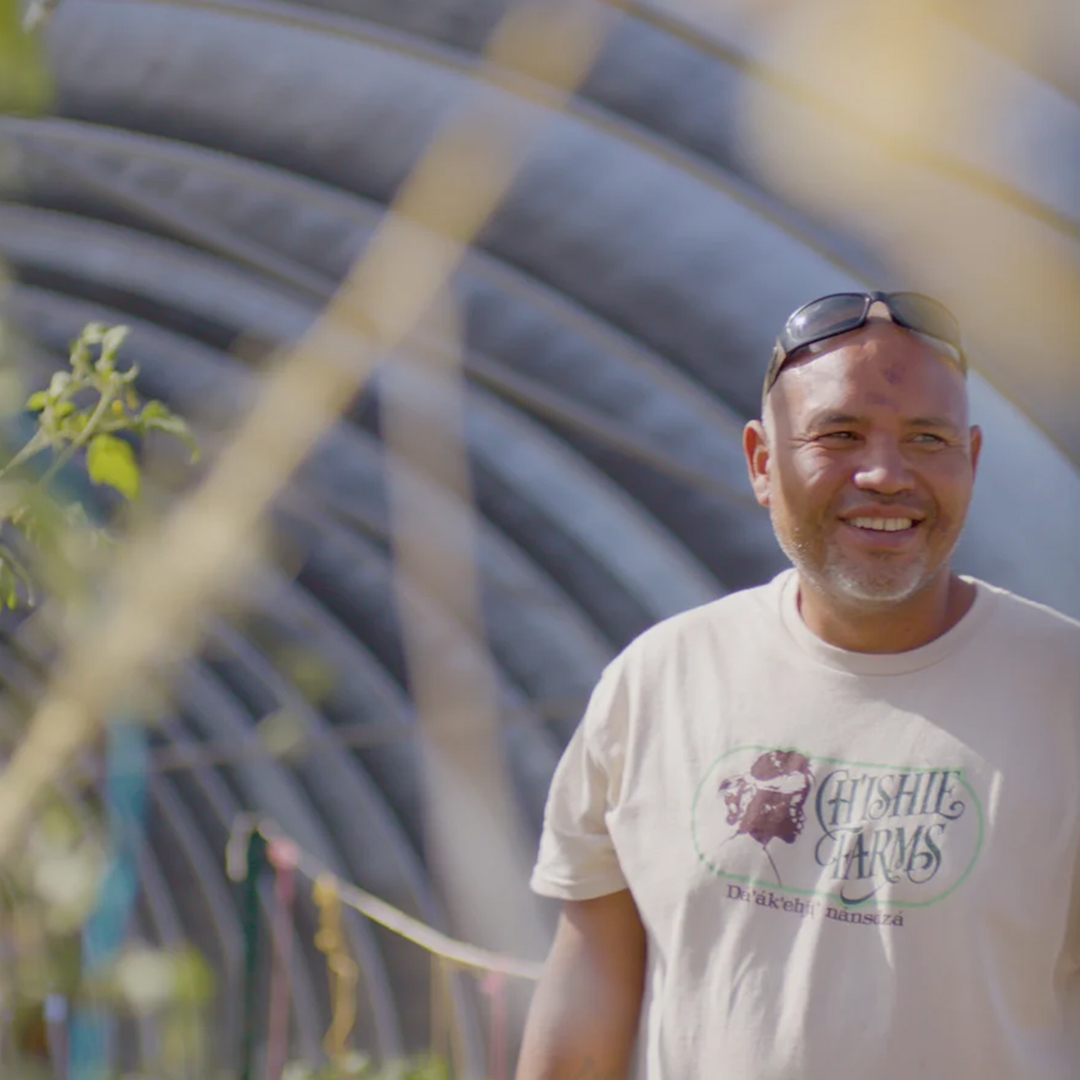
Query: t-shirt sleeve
577, 859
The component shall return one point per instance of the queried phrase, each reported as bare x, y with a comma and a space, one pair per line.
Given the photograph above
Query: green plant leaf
71, 427
112, 339
37, 401
156, 417
58, 383
111, 461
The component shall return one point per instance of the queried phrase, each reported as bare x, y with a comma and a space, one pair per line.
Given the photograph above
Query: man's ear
756, 449
976, 447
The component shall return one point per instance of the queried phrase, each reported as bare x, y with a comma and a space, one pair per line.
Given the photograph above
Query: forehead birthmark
894, 374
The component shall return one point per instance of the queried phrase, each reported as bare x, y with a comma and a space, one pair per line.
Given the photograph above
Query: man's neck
887, 628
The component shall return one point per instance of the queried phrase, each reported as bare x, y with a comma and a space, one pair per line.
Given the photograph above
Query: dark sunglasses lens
825, 317
926, 315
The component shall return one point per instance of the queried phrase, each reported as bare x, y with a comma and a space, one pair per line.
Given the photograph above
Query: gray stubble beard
837, 577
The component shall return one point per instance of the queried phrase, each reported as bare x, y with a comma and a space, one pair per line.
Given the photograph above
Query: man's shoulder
733, 615
1030, 622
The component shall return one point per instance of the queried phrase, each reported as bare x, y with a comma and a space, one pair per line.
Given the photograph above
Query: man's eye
838, 436
928, 438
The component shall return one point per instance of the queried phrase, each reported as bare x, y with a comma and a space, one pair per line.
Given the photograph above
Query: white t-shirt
848, 864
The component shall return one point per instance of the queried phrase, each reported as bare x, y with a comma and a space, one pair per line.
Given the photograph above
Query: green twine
249, 913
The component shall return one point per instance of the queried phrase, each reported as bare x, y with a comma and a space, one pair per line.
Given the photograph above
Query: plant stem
84, 436
36, 444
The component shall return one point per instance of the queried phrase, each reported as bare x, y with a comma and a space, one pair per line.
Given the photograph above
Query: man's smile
881, 524
892, 532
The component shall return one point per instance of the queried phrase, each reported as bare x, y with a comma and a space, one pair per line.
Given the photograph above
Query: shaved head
893, 374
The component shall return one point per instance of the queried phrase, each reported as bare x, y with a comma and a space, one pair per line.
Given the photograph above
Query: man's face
866, 463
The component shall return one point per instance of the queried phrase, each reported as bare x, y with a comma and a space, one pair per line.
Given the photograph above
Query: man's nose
883, 468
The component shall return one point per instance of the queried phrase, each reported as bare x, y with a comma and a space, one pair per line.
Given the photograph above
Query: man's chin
876, 589
868, 581
871, 585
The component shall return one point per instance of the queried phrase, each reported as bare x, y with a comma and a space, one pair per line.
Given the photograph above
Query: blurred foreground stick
168, 577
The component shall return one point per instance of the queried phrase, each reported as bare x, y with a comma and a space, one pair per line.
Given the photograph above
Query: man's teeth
882, 524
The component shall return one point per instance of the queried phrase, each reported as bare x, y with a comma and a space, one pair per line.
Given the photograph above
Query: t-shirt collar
860, 663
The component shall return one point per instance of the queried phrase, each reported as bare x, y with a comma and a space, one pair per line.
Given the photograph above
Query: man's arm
584, 1016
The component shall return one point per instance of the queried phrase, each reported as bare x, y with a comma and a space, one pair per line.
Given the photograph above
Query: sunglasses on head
839, 313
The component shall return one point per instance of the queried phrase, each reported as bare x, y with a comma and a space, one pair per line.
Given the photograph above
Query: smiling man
830, 826
866, 460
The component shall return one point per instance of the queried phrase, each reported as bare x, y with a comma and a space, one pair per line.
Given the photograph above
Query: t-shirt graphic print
855, 836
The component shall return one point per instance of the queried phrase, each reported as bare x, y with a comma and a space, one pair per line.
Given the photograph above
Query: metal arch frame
539, 637
370, 573
206, 870
565, 314
270, 788
573, 136
93, 251
700, 437
610, 112
733, 331
364, 689
973, 174
585, 106
1036, 586
368, 836
669, 28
